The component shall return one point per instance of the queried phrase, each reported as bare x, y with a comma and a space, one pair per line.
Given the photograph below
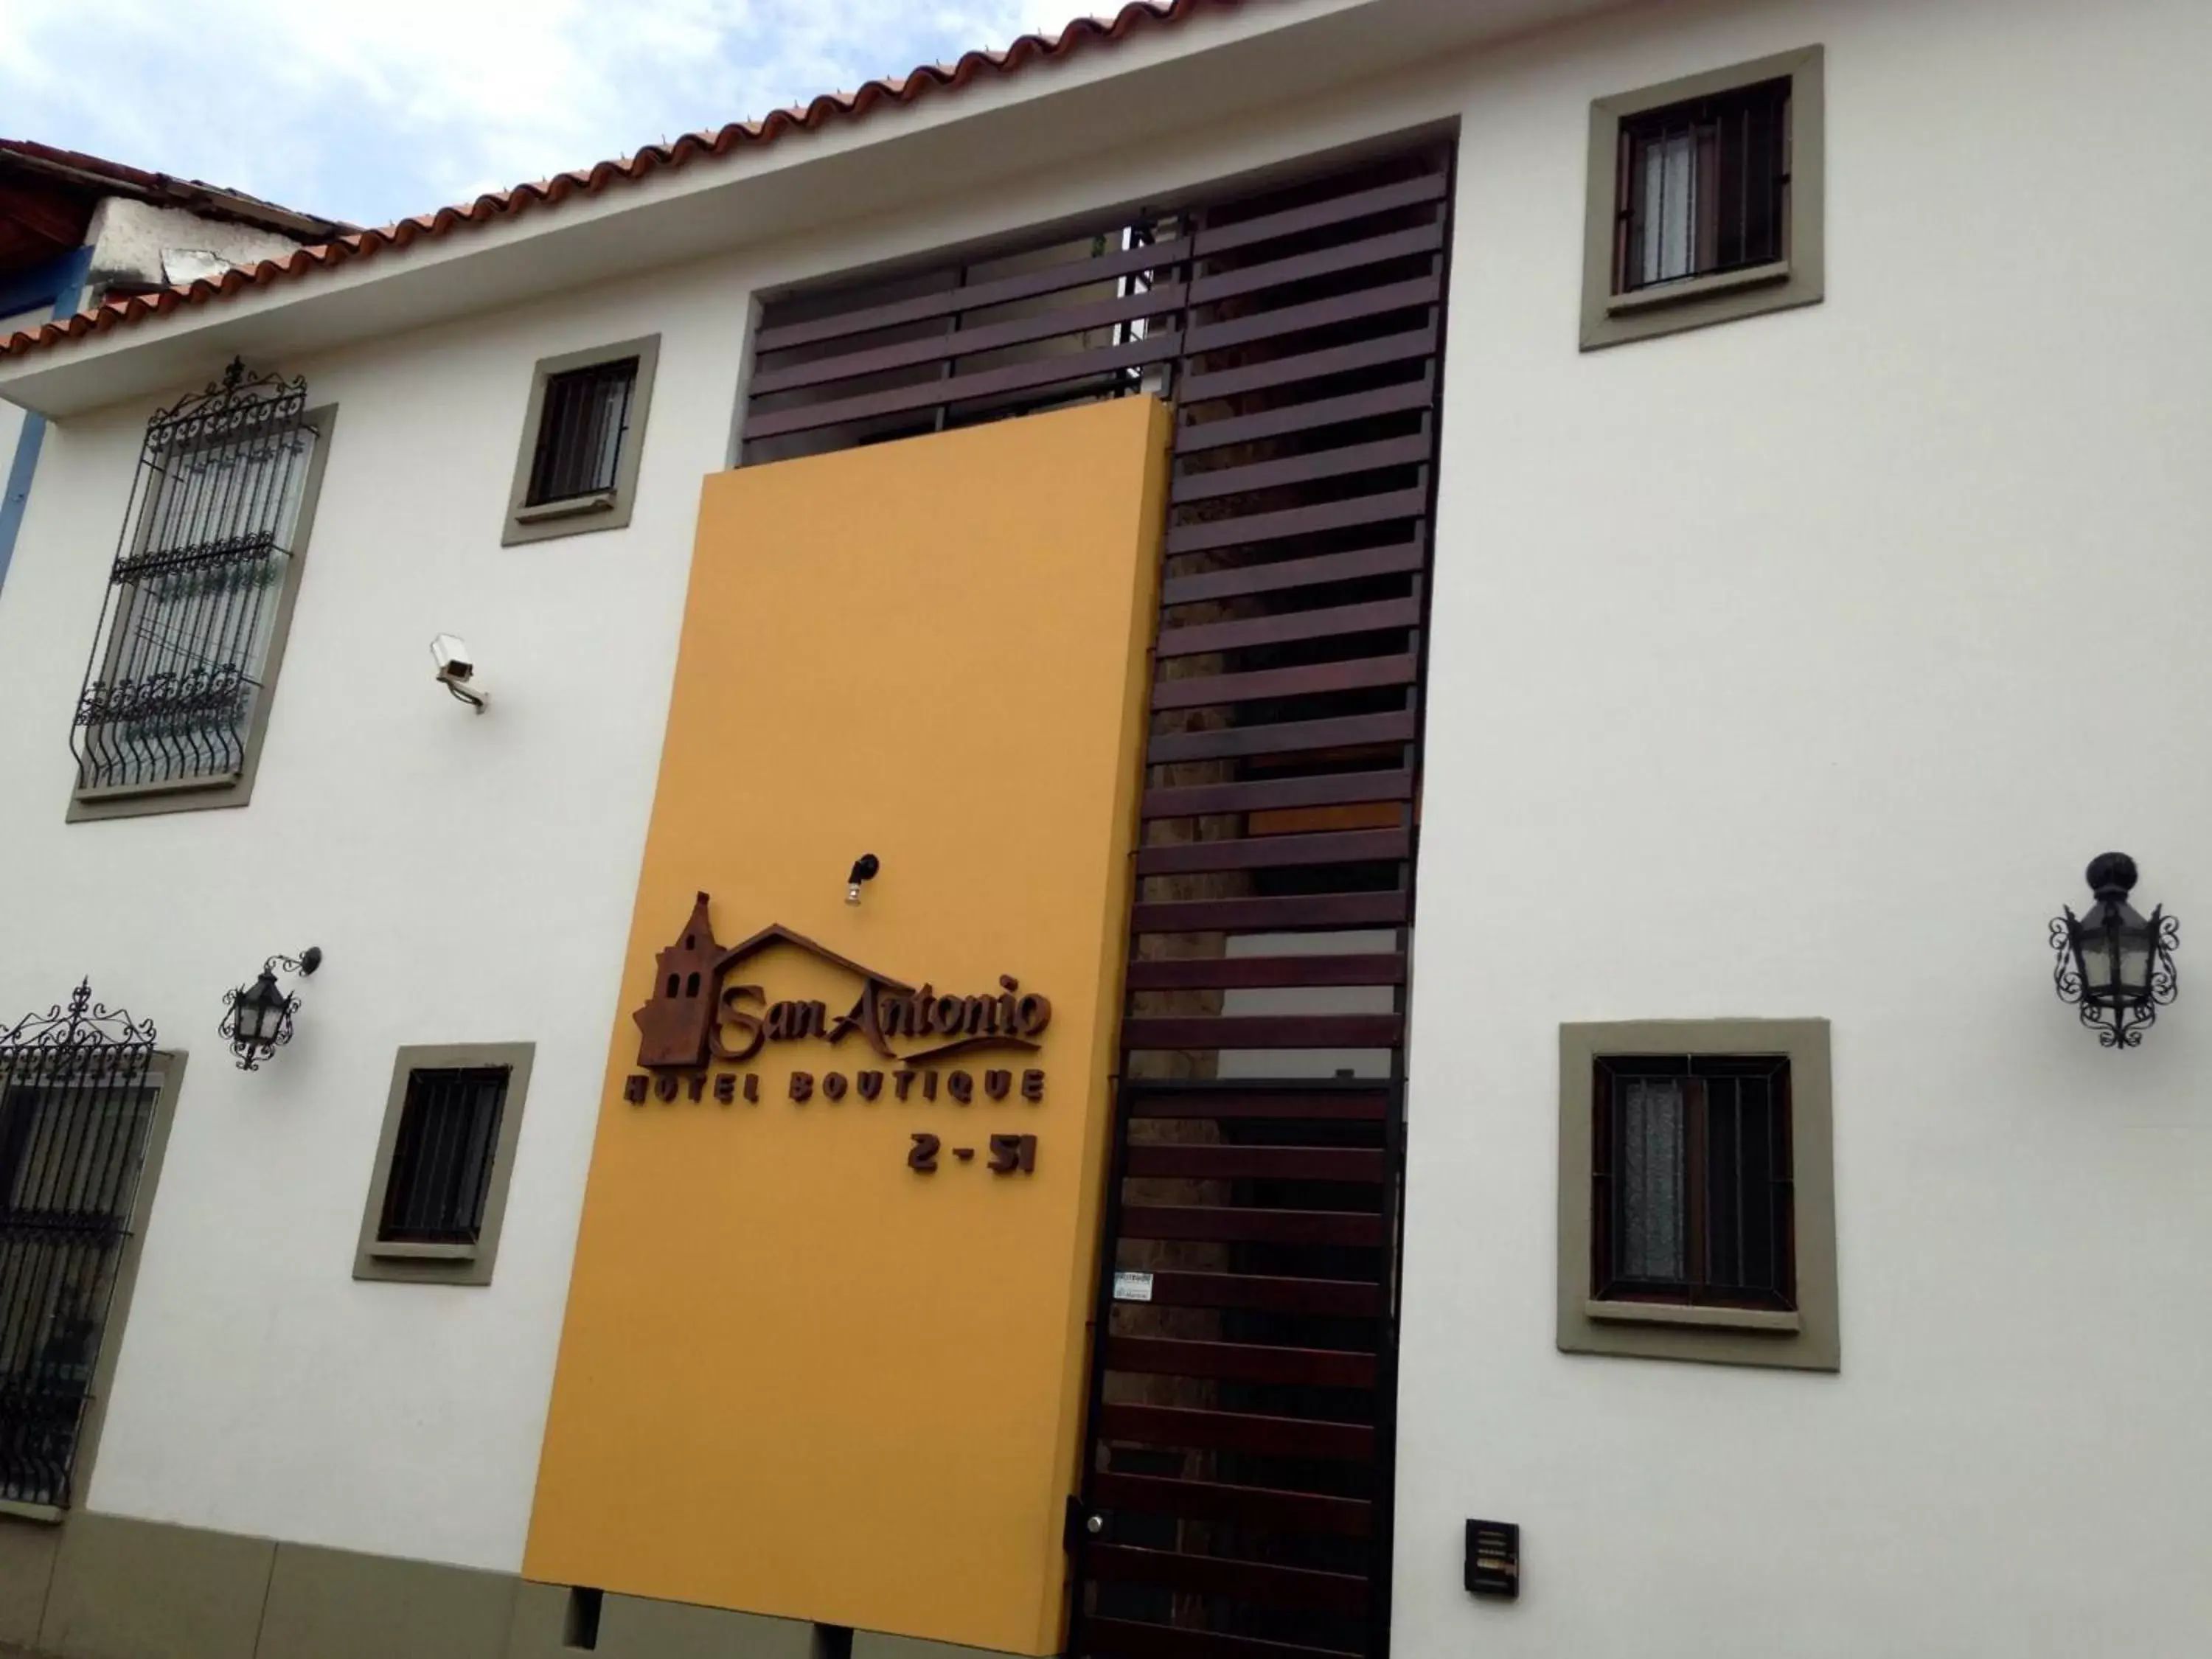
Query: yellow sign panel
825, 1349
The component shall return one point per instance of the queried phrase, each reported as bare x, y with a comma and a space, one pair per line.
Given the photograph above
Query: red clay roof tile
1029, 49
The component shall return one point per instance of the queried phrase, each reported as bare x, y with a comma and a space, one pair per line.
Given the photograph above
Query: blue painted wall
58, 283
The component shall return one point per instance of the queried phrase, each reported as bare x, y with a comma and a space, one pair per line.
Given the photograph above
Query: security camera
457, 668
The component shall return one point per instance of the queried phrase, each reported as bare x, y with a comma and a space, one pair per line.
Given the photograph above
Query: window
439, 1191
200, 599
1689, 1181
579, 433
1705, 200
1697, 1215
582, 436
69, 1154
85, 1105
441, 1160
1704, 186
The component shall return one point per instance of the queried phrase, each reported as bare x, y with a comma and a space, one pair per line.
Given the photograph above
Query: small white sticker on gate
1132, 1287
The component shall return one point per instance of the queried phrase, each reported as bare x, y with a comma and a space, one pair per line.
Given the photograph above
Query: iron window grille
77, 1104
1691, 1198
181, 658
587, 419
442, 1159
1704, 188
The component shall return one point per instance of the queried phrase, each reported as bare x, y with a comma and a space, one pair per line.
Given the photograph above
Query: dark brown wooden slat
1195, 437
1127, 1638
1427, 187
961, 388
1278, 574
1315, 313
1289, 370
1345, 256
1371, 617
1022, 331
1257, 1506
1224, 1224
1316, 910
1363, 1102
1241, 1362
1221, 973
1256, 527
1315, 820
1202, 1162
1028, 284
1350, 674
1341, 1297
1289, 1437
1269, 851
1244, 1581
1289, 738
1216, 482
1265, 794
1263, 1031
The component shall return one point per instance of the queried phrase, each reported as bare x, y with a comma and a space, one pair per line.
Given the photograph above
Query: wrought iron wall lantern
260, 1017
2114, 964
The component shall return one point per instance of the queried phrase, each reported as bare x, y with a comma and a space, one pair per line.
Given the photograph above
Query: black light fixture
864, 870
2116, 966
260, 1017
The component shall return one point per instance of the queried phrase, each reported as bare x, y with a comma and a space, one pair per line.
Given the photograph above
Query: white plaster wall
469, 878
1796, 667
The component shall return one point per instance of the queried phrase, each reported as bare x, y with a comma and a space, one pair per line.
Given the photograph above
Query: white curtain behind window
1670, 208
1652, 1155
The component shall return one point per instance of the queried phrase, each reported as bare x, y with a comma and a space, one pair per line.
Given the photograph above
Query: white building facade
1788, 648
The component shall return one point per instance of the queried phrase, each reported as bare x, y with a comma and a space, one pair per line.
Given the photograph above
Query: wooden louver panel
1237, 1482
1242, 1419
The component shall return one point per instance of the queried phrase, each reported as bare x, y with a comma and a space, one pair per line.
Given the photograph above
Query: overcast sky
371, 110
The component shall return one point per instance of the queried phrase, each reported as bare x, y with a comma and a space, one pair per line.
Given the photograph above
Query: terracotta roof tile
831, 108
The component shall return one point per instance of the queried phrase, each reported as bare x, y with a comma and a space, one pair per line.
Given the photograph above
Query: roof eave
1214, 67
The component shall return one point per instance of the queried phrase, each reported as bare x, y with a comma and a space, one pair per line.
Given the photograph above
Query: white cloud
371, 112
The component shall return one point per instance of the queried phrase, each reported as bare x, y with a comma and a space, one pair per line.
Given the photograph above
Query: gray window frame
1811, 1338
610, 511
396, 1262
145, 800
1798, 279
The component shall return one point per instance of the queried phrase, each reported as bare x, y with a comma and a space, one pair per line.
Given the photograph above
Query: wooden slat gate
1236, 1495
1236, 1498
1237, 1502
